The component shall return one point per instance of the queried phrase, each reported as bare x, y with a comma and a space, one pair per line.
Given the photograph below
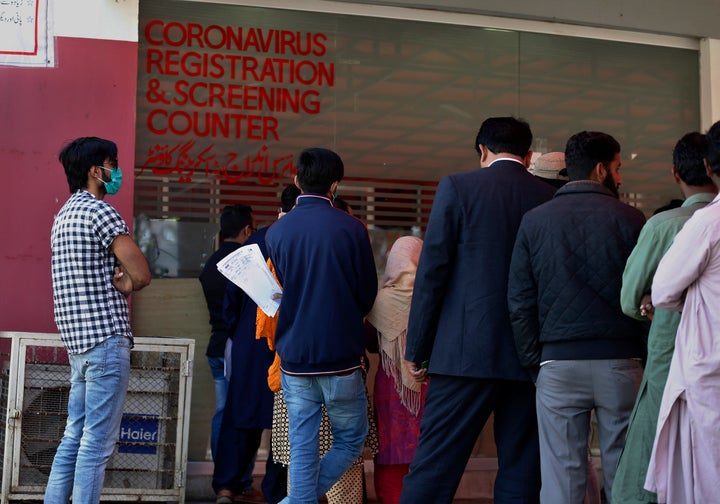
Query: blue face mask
113, 186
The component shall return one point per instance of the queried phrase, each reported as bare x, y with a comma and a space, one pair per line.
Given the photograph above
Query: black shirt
214, 284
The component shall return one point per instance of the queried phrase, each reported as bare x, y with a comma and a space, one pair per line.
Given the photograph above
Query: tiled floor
460, 501
476, 485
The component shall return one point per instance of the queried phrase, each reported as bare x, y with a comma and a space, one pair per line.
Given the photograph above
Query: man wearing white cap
550, 167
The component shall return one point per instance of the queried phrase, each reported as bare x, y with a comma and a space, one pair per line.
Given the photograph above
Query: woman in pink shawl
398, 397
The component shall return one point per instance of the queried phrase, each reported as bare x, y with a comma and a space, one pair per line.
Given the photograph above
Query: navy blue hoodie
324, 261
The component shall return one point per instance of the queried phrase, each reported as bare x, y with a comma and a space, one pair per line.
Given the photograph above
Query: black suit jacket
459, 317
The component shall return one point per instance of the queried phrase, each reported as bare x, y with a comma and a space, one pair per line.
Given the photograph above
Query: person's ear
246, 232
297, 184
599, 172
483, 152
675, 174
95, 173
528, 159
708, 170
333, 187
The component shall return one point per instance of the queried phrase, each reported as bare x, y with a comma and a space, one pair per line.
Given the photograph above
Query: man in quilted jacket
570, 331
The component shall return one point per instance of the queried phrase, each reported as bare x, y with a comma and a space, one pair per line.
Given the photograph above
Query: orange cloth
265, 328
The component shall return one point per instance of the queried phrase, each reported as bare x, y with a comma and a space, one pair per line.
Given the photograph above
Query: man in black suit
460, 327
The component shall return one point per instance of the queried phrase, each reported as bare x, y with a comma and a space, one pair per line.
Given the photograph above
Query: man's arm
683, 263
133, 273
433, 273
232, 306
523, 306
640, 269
366, 273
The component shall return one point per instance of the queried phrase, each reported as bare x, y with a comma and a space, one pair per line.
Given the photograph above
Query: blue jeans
217, 368
98, 384
346, 405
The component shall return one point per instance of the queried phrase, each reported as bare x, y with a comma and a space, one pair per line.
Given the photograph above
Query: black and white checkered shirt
88, 308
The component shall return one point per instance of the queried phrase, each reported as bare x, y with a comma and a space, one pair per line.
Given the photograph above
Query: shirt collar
506, 159
585, 185
312, 198
699, 198
86, 192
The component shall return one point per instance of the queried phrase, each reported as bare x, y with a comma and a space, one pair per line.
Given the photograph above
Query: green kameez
654, 240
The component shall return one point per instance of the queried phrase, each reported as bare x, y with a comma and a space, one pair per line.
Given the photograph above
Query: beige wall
175, 307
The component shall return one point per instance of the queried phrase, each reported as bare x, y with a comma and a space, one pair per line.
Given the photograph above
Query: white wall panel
709, 74
98, 19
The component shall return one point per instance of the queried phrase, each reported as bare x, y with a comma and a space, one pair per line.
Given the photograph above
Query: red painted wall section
90, 92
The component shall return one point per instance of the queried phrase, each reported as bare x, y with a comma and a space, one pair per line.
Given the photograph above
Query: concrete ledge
476, 483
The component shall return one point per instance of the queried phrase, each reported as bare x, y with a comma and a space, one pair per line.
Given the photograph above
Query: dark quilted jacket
566, 274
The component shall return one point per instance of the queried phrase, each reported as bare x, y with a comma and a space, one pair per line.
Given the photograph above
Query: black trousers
235, 453
456, 410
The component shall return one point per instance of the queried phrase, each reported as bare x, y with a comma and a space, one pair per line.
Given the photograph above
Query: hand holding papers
247, 269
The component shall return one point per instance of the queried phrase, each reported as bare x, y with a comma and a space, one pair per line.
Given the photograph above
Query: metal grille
4, 377
178, 222
145, 456
149, 458
44, 410
378, 202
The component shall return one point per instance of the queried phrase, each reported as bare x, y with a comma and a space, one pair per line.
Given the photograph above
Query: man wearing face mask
95, 267
569, 328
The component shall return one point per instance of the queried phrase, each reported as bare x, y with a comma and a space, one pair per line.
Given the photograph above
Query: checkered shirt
88, 308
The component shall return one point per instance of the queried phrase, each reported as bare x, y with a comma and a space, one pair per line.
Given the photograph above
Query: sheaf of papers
247, 269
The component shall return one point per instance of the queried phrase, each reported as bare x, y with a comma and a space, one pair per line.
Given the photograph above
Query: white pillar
709, 75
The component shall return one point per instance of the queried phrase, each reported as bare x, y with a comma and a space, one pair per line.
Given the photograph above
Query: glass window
228, 96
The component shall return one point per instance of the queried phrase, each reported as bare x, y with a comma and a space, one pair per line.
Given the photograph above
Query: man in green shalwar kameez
656, 237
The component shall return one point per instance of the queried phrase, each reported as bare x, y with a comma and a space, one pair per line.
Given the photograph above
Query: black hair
288, 197
81, 154
317, 169
585, 150
689, 159
504, 134
713, 148
234, 219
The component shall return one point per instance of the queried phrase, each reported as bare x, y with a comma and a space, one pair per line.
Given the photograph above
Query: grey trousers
567, 392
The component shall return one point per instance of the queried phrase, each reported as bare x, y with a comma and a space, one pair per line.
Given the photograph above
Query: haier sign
138, 434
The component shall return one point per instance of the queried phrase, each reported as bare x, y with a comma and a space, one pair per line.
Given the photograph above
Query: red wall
90, 92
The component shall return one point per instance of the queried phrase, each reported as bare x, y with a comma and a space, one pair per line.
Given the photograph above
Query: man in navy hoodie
324, 261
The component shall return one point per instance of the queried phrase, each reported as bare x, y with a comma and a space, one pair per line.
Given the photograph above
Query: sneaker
250, 495
224, 497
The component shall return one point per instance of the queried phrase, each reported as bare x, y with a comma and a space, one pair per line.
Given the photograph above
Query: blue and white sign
139, 434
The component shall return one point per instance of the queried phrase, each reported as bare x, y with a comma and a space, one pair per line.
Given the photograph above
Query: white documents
247, 269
